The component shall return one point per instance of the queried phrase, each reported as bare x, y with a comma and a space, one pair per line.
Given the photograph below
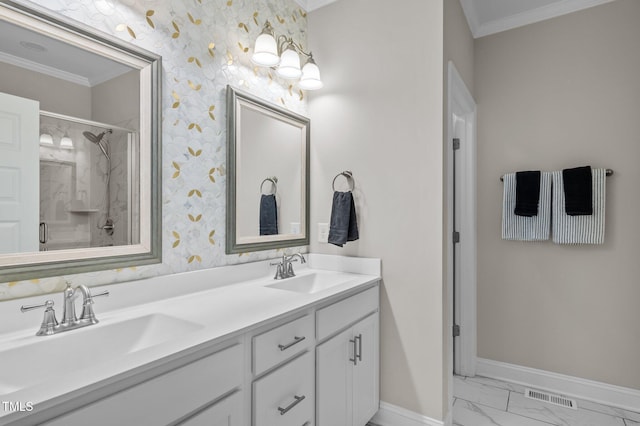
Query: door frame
462, 104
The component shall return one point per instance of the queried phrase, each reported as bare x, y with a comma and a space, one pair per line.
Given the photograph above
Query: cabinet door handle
355, 351
44, 233
296, 340
307, 423
358, 338
297, 401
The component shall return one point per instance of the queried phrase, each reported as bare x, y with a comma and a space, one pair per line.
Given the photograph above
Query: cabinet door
334, 381
366, 398
227, 412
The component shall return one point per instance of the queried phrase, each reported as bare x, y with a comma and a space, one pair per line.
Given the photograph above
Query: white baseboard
392, 415
603, 393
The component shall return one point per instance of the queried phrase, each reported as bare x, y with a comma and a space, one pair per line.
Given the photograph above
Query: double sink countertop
153, 321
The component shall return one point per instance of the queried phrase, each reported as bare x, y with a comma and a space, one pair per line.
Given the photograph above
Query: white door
334, 381
462, 222
19, 174
365, 372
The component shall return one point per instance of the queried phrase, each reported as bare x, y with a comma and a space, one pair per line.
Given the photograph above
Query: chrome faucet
285, 268
69, 321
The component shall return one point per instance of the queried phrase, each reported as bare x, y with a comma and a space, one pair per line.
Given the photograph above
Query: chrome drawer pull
359, 353
355, 352
307, 423
297, 401
296, 340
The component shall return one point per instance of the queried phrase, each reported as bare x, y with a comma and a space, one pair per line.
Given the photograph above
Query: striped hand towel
588, 229
523, 228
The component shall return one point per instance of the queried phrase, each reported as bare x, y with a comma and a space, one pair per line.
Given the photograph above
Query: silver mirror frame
152, 251
232, 245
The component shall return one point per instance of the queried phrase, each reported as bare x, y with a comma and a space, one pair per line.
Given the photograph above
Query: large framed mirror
80, 118
267, 175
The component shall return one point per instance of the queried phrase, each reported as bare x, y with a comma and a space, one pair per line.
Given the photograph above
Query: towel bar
348, 175
273, 180
609, 172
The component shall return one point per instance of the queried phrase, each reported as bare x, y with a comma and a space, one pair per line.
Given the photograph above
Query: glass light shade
289, 65
265, 53
310, 79
66, 142
46, 139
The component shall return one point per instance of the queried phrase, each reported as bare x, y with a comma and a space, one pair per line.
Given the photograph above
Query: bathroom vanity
226, 346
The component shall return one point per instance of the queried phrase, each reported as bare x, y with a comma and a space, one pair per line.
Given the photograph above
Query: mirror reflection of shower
89, 185
103, 144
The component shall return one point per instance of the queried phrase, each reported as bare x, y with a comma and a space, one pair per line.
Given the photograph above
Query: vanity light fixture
66, 142
46, 139
283, 54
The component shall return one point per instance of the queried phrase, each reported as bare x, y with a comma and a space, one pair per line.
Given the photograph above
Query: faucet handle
104, 293
49, 320
87, 314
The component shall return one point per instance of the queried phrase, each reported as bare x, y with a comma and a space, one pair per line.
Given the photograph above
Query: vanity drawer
286, 397
227, 412
165, 398
282, 343
335, 317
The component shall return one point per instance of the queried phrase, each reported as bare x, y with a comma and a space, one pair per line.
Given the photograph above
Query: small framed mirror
80, 147
267, 175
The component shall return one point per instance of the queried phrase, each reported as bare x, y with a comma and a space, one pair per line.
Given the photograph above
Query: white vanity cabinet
347, 373
171, 397
315, 364
226, 412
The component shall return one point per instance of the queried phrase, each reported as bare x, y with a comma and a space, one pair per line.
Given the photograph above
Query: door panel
334, 381
365, 372
19, 174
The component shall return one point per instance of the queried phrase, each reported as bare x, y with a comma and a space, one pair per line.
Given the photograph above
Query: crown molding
525, 18
43, 69
310, 5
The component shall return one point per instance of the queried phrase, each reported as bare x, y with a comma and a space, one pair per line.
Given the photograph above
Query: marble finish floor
479, 401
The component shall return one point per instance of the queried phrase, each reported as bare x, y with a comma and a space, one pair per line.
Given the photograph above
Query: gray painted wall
557, 94
380, 116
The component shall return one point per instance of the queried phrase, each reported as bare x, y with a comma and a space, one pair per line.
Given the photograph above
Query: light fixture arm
271, 50
283, 41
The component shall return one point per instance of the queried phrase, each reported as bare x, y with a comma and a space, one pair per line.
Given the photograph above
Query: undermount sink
312, 283
67, 352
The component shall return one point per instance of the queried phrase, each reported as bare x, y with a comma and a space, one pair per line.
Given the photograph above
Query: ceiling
37, 52
492, 16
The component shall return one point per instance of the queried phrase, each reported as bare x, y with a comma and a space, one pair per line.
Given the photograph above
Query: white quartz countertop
218, 303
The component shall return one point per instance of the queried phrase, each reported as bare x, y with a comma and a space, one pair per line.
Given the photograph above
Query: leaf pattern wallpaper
205, 45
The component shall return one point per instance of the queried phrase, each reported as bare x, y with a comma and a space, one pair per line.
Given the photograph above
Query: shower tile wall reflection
74, 177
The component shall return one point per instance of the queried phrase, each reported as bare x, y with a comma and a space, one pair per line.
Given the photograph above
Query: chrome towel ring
348, 175
274, 182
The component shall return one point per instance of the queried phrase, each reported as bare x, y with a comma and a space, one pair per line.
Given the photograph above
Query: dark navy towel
578, 191
268, 215
527, 193
343, 226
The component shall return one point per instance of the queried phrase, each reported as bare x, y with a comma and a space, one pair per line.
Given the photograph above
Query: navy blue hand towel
527, 193
343, 226
268, 215
578, 191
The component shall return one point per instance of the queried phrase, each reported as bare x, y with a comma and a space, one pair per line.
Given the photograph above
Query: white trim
462, 104
525, 18
43, 69
311, 5
471, 13
602, 393
392, 415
